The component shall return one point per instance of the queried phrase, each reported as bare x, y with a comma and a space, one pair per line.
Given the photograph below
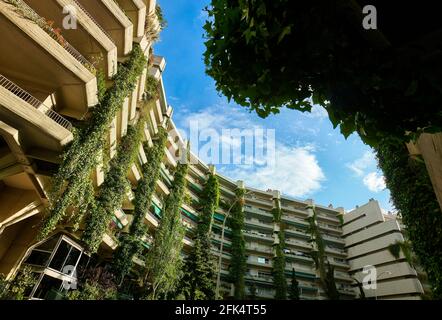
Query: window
38, 257
263, 260
48, 288
59, 258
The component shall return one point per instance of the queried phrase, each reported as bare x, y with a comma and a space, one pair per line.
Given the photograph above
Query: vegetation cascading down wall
72, 186
278, 272
326, 271
197, 282
130, 243
413, 195
238, 266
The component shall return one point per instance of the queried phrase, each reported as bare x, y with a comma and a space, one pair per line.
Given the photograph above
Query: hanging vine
82, 155
199, 269
130, 244
238, 266
278, 272
326, 271
294, 287
110, 196
413, 195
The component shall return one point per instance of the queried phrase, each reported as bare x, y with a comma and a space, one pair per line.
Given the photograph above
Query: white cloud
360, 165
296, 172
317, 112
374, 181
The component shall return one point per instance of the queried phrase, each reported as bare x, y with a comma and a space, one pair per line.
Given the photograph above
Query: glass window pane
49, 245
81, 268
72, 258
38, 258
47, 287
60, 256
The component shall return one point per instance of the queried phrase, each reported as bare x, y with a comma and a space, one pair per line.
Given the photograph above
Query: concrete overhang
89, 38
36, 129
112, 19
136, 11
35, 61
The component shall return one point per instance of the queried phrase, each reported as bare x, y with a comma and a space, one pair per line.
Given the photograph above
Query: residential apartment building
48, 87
369, 235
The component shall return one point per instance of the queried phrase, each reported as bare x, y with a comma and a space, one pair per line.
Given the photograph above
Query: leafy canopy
270, 54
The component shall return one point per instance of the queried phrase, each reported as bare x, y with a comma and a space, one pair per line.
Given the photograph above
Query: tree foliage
326, 270
163, 261
199, 268
238, 266
270, 54
16, 289
413, 195
96, 283
278, 271
294, 287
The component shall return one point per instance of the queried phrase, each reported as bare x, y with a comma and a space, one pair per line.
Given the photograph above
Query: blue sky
312, 160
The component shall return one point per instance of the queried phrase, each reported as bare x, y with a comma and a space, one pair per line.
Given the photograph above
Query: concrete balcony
114, 21
295, 209
291, 218
259, 200
258, 211
218, 238
258, 236
136, 12
337, 251
335, 239
297, 243
17, 205
109, 242
259, 248
89, 38
150, 6
41, 129
43, 64
259, 278
152, 220
259, 223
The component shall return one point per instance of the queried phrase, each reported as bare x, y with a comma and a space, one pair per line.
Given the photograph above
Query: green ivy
151, 91
238, 265
82, 155
413, 195
199, 269
278, 271
326, 271
15, 289
130, 243
294, 293
395, 249
111, 195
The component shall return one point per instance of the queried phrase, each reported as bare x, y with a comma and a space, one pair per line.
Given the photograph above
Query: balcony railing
30, 14
27, 97
92, 18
